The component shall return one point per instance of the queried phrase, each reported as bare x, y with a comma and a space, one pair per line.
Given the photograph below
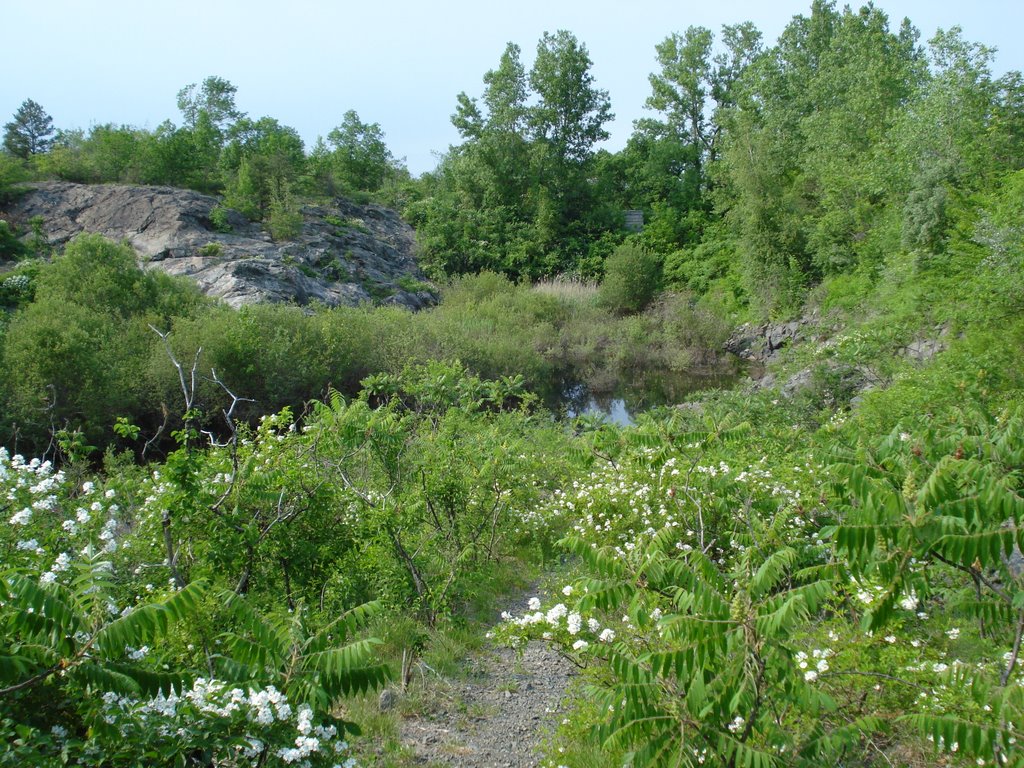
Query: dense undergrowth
755, 579
82, 341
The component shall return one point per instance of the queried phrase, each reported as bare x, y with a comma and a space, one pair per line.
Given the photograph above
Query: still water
633, 395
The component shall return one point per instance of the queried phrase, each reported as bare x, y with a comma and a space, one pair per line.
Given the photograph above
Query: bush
284, 219
11, 247
631, 278
72, 357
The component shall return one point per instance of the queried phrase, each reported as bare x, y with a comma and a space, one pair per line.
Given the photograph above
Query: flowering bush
81, 678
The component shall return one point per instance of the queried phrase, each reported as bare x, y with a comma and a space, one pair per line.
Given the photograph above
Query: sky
397, 63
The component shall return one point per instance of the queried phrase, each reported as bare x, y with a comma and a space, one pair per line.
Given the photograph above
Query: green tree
29, 132
80, 348
808, 154
681, 89
517, 196
215, 97
262, 162
360, 160
949, 136
571, 112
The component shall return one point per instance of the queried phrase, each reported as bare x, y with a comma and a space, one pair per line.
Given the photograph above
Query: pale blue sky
400, 64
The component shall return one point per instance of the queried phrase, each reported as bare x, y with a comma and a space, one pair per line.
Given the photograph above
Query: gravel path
497, 717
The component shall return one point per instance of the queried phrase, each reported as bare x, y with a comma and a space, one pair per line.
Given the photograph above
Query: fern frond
148, 622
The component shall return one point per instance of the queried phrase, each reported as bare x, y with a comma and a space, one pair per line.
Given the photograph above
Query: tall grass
568, 288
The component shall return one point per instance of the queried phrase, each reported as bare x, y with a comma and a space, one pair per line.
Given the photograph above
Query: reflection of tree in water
633, 393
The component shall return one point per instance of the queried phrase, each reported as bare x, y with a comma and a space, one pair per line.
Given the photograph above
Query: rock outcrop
344, 254
761, 343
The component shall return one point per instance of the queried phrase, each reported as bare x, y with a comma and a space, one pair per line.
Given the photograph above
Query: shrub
631, 278
284, 219
11, 247
219, 218
211, 250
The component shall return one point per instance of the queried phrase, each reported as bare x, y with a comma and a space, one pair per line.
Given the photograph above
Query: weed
211, 250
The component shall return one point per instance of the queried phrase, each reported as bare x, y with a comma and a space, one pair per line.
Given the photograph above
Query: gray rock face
344, 254
761, 343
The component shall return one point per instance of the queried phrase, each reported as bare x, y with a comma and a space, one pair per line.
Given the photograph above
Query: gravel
499, 716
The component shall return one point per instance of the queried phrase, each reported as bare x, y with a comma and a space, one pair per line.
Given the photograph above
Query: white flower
580, 645
48, 578
575, 622
567, 590
953, 633
533, 604
607, 635
21, 518
30, 545
810, 675
556, 613
890, 639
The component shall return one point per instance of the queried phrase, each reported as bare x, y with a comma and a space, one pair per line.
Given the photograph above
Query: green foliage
11, 247
92, 672
516, 196
943, 502
12, 171
284, 220
219, 218
310, 667
79, 345
360, 160
211, 250
29, 132
632, 276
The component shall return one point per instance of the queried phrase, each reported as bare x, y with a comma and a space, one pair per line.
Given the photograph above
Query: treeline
260, 166
763, 169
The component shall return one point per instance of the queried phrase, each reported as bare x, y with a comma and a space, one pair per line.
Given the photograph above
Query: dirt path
497, 716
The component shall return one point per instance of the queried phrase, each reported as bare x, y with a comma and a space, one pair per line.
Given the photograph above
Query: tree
518, 196
262, 163
570, 114
630, 279
361, 160
30, 132
681, 88
216, 98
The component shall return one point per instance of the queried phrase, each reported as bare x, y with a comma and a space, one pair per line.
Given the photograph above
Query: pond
635, 393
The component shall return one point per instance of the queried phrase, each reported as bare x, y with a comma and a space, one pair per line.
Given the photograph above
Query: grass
568, 288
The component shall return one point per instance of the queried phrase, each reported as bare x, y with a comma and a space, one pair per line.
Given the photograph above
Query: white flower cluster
33, 488
213, 705
551, 621
815, 664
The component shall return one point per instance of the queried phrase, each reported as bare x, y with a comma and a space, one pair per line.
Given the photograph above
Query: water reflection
621, 403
